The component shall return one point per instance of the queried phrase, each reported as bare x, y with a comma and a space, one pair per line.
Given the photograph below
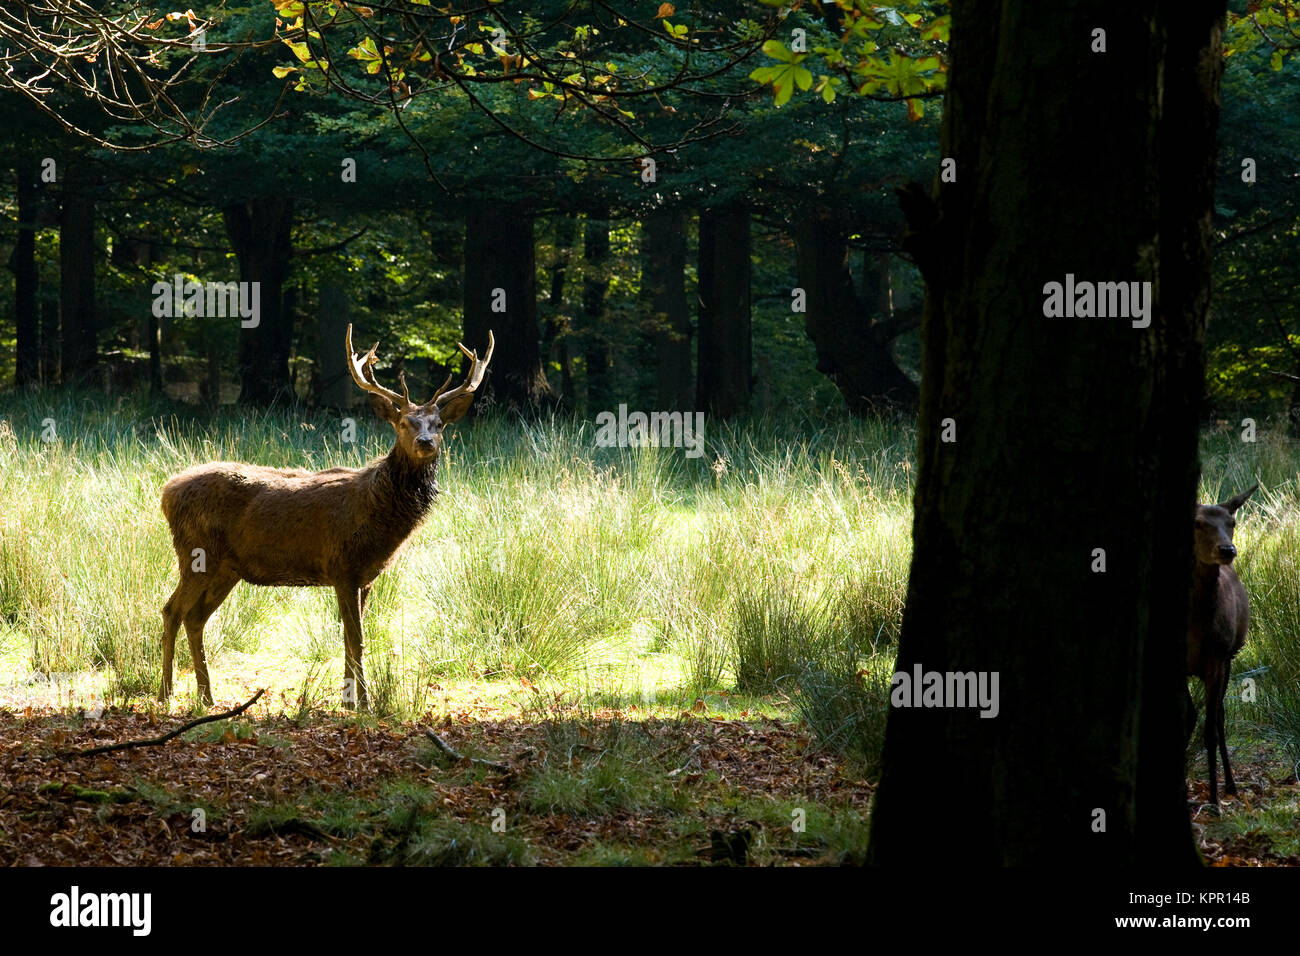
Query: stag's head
419, 427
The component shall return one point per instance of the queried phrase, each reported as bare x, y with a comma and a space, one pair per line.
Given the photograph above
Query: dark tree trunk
851, 348
336, 389
260, 232
77, 274
663, 285
51, 372
1070, 435
555, 339
1293, 407
210, 386
597, 354
155, 354
724, 374
499, 255
138, 254
22, 263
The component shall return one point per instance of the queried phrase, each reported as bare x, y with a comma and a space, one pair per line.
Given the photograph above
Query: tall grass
774, 563
546, 558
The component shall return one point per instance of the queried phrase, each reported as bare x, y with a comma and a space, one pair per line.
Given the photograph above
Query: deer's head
419, 427
1214, 526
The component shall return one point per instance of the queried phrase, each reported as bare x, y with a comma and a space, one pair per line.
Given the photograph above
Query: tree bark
77, 273
501, 295
724, 374
22, 263
852, 349
663, 285
51, 349
597, 353
336, 389
555, 337
1071, 435
260, 232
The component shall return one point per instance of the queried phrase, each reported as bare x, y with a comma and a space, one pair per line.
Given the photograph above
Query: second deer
338, 528
1220, 614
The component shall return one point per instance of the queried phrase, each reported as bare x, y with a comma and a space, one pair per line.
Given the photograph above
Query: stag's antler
363, 374
472, 381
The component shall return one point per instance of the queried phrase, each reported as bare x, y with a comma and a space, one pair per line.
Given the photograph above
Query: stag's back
201, 502
280, 525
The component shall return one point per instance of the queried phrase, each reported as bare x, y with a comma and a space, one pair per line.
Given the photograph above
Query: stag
339, 528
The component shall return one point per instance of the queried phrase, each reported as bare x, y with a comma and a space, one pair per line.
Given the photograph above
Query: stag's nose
1227, 552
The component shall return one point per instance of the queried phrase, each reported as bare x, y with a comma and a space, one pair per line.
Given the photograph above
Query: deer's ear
384, 409
456, 408
1235, 502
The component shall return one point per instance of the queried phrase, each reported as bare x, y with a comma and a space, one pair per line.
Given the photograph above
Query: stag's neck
409, 486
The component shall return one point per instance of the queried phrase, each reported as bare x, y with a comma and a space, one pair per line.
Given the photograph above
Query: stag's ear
456, 408
385, 409
1235, 502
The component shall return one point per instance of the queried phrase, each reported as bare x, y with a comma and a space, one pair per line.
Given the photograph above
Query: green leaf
938, 29
777, 51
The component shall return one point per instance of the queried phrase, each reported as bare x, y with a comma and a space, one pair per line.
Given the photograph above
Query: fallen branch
451, 752
156, 741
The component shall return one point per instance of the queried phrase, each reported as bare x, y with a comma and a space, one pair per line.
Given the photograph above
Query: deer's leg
178, 605
1228, 785
1214, 688
197, 616
350, 610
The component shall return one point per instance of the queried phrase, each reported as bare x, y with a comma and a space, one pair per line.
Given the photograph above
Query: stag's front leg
354, 677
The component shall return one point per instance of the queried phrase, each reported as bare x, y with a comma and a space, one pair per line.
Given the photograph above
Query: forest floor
587, 788
583, 786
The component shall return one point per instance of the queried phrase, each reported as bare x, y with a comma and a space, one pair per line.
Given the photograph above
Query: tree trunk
724, 375
597, 353
261, 233
336, 389
555, 339
1293, 406
1071, 435
663, 285
22, 263
77, 274
851, 348
501, 295
210, 386
131, 253
51, 370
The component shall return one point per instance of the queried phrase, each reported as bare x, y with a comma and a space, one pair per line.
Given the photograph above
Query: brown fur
1219, 617
336, 528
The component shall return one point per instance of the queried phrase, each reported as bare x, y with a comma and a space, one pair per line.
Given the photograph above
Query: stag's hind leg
178, 605
216, 591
